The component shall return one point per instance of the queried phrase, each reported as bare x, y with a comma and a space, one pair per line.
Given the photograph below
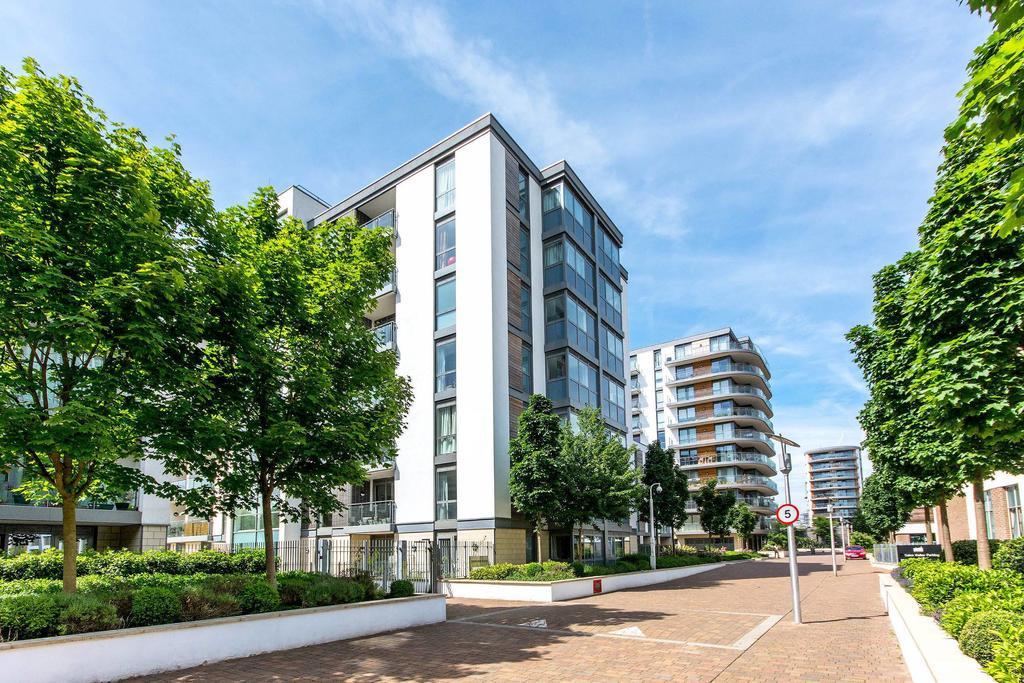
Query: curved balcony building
707, 398
834, 475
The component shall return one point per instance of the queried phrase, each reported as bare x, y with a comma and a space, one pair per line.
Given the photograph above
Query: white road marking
535, 623
751, 636
632, 631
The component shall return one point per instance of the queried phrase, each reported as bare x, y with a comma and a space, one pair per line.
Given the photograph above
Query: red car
855, 552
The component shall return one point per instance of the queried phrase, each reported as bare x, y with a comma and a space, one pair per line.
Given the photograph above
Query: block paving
730, 624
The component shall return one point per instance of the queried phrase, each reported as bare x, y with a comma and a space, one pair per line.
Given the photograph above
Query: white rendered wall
154, 509
414, 323
481, 322
537, 287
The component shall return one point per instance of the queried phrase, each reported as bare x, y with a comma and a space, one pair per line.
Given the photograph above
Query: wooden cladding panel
512, 238
515, 408
514, 290
515, 370
511, 179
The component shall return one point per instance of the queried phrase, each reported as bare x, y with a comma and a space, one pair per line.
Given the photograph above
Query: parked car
855, 552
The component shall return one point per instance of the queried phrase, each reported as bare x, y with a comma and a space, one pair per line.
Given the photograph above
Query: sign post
788, 514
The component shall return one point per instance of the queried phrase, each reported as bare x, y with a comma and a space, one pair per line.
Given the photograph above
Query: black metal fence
422, 562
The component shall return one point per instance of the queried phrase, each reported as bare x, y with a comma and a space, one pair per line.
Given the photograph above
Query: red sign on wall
597, 585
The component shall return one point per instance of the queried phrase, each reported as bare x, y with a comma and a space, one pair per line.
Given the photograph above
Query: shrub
85, 613
937, 583
966, 552
154, 606
259, 596
251, 561
291, 586
402, 589
911, 565
532, 571
1010, 555
31, 586
983, 630
48, 564
1007, 665
207, 562
960, 609
28, 616
198, 603
162, 561
864, 540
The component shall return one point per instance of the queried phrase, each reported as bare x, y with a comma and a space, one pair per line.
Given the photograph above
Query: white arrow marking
630, 631
535, 623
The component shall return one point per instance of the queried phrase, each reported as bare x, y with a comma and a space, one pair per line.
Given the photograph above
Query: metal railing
188, 529
735, 411
683, 374
742, 456
375, 512
11, 497
726, 435
885, 553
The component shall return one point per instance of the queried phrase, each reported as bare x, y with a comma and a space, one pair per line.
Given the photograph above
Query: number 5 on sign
787, 514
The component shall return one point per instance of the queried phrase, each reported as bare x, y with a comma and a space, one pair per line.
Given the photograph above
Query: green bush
936, 584
983, 630
1007, 665
1010, 555
532, 571
960, 609
48, 564
864, 540
207, 562
28, 615
291, 586
154, 606
911, 565
31, 586
251, 561
402, 589
198, 602
85, 613
966, 552
259, 596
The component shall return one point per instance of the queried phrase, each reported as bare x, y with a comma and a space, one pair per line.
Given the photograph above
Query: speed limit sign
787, 514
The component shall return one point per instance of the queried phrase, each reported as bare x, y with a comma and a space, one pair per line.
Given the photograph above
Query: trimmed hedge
633, 562
983, 630
960, 609
49, 564
402, 589
1007, 665
966, 552
1010, 555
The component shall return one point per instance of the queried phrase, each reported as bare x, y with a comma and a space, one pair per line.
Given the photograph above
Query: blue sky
762, 159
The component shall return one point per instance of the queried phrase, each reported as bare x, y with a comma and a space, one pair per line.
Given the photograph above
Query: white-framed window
444, 304
444, 179
445, 491
1014, 508
445, 365
444, 244
446, 422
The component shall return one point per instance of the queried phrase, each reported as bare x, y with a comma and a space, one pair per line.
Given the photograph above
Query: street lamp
794, 574
832, 537
655, 487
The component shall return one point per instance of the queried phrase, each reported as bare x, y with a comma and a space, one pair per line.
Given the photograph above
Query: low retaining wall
568, 589
111, 655
931, 654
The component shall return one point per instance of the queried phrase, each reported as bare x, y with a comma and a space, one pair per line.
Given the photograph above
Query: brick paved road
731, 624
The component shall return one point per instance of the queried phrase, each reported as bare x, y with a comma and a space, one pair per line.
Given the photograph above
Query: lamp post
650, 519
832, 538
794, 573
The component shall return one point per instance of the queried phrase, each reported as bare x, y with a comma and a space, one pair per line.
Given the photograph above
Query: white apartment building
834, 475
707, 399
507, 282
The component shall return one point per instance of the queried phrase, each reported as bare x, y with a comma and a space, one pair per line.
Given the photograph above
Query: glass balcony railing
191, 528
728, 435
128, 502
385, 220
718, 347
737, 411
721, 458
385, 335
374, 512
747, 480
722, 393
687, 372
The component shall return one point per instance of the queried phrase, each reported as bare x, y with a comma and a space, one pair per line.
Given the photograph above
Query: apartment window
724, 431
660, 415
686, 414
566, 318
683, 350
723, 408
582, 381
563, 208
607, 250
524, 251
524, 196
556, 374
444, 246
688, 435
657, 378
446, 442
720, 343
565, 263
632, 363
685, 393
661, 437
1014, 508
445, 362
446, 494
252, 520
722, 386
444, 179
526, 365
613, 406
659, 399
611, 350
636, 422
684, 371
525, 312
611, 302
444, 304
990, 520
657, 361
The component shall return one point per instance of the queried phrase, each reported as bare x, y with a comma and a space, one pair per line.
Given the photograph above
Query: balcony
188, 529
742, 437
741, 391
9, 497
754, 460
385, 335
682, 376
374, 513
718, 414
745, 350
742, 481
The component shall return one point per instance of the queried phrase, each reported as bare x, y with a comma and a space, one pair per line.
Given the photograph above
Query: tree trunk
928, 536
580, 540
268, 539
70, 537
673, 539
984, 555
944, 536
604, 542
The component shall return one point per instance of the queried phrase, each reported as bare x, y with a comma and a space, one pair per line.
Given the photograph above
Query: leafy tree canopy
885, 503
670, 504
713, 506
537, 474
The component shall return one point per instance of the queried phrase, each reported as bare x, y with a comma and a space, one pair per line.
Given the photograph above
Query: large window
524, 196
688, 435
685, 393
564, 263
657, 379
524, 251
720, 343
613, 405
444, 246
526, 365
525, 311
607, 251
252, 520
990, 521
444, 180
444, 304
562, 207
660, 419
567, 319
570, 377
1014, 508
445, 427
611, 350
446, 494
445, 362
611, 302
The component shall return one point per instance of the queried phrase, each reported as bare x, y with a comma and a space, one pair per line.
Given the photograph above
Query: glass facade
445, 491
562, 208
565, 319
611, 303
611, 350
445, 429
565, 264
613, 405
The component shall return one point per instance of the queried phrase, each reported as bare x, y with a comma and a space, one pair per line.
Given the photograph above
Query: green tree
600, 480
670, 504
821, 529
743, 521
97, 237
537, 475
295, 399
713, 506
965, 304
885, 504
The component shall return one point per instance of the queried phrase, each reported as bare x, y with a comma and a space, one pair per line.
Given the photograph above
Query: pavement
730, 624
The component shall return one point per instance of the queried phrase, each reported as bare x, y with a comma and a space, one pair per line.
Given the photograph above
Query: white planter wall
112, 655
556, 591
